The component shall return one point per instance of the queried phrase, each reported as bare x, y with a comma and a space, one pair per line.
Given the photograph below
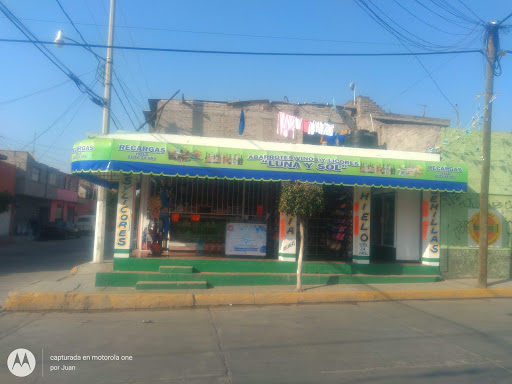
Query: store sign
206, 161
124, 220
287, 237
431, 225
361, 225
494, 228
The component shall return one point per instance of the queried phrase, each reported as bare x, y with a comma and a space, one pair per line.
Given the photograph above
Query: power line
406, 47
56, 120
505, 19
49, 55
470, 10
248, 53
160, 29
424, 22
125, 110
63, 129
137, 57
123, 90
41, 90
158, 110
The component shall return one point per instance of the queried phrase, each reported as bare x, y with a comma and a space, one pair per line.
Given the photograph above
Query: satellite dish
352, 85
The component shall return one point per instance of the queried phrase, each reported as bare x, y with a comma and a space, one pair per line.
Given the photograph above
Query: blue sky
398, 84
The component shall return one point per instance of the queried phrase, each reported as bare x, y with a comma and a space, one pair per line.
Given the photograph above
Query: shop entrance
395, 226
382, 230
329, 235
191, 216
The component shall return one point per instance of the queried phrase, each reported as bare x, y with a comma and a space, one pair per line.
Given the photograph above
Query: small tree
302, 200
5, 201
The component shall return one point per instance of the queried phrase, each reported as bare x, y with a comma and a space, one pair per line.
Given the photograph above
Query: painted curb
48, 301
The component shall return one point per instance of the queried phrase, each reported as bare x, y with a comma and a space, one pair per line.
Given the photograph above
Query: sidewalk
76, 292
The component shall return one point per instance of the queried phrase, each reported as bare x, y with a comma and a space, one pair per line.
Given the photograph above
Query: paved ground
390, 342
28, 262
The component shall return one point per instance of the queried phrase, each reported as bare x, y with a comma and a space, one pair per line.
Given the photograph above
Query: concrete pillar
361, 225
287, 237
124, 221
143, 205
431, 225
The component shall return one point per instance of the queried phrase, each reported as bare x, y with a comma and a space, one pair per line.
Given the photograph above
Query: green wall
460, 147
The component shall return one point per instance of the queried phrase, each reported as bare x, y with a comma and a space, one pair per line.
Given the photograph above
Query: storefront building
219, 197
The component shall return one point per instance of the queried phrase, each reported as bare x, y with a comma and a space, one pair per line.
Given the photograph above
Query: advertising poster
246, 239
495, 227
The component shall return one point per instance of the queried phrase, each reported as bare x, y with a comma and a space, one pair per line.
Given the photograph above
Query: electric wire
448, 8
70, 107
97, 58
424, 22
250, 53
160, 29
137, 57
57, 138
125, 93
406, 47
49, 55
460, 24
124, 108
505, 19
470, 10
41, 90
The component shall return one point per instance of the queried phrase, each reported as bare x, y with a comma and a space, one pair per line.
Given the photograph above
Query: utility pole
492, 42
457, 114
101, 205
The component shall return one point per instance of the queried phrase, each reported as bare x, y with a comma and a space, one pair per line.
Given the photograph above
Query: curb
71, 302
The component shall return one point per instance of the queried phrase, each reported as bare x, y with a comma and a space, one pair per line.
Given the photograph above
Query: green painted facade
152, 273
458, 259
130, 279
271, 266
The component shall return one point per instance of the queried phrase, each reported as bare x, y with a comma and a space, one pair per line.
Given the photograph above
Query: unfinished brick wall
216, 119
221, 119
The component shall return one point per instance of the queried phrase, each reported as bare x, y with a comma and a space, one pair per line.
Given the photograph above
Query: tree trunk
300, 220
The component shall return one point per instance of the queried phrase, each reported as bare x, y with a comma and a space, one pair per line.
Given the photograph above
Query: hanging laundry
305, 125
288, 124
241, 126
321, 128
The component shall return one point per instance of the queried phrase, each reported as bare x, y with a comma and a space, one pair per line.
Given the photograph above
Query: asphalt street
28, 261
464, 341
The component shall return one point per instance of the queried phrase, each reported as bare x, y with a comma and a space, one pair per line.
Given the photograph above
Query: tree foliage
5, 201
301, 199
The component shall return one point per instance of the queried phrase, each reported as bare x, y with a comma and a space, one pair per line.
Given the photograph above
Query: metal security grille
215, 196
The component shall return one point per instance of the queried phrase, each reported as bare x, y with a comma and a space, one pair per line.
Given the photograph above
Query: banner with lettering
125, 207
431, 218
361, 225
103, 155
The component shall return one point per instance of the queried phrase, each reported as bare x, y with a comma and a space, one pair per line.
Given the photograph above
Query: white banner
124, 222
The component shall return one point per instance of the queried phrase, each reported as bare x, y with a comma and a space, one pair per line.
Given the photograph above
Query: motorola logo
21, 362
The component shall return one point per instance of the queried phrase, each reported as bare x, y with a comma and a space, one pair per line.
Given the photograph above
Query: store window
383, 226
329, 234
74, 185
197, 211
61, 181
60, 212
36, 174
71, 214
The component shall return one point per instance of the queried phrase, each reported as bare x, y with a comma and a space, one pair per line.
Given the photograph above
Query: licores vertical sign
125, 205
287, 237
431, 219
361, 225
